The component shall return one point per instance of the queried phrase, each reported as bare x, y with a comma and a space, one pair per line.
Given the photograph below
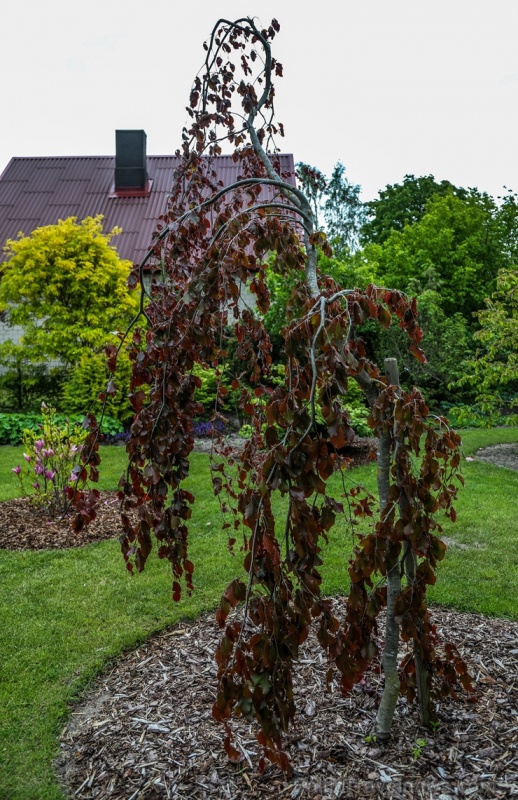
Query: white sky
388, 87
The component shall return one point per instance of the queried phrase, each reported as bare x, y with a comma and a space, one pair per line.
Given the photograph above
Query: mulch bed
502, 455
26, 527
144, 731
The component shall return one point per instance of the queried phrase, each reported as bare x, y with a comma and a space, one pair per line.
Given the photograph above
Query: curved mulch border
145, 731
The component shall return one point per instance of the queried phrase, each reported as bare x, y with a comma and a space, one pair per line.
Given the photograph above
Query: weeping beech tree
212, 242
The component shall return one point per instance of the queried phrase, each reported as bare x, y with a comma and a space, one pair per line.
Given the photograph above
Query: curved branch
259, 206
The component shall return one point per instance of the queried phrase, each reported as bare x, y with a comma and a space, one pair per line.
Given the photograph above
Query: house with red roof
130, 189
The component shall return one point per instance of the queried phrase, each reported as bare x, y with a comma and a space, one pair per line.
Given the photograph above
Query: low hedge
12, 426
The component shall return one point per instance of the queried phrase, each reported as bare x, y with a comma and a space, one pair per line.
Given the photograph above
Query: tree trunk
422, 673
389, 658
19, 386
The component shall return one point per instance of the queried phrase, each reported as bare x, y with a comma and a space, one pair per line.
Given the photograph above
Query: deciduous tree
402, 204
336, 203
66, 285
456, 249
210, 242
493, 371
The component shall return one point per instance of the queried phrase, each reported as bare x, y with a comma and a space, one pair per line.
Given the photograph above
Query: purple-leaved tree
212, 242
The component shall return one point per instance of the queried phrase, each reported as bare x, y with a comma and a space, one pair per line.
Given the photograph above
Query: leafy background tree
446, 246
492, 373
66, 285
456, 248
401, 204
336, 205
443, 244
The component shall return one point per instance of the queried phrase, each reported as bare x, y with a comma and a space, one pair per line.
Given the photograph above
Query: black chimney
130, 161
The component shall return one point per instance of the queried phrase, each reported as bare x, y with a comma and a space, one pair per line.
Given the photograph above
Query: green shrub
466, 416
354, 404
80, 393
24, 386
12, 426
206, 394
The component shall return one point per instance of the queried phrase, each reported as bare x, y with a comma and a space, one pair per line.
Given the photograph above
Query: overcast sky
388, 87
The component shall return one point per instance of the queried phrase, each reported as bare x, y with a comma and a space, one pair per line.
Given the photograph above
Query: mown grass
65, 614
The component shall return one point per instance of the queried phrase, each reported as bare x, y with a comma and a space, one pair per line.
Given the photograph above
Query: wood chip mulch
26, 527
145, 731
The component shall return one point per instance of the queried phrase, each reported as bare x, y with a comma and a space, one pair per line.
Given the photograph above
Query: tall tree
288, 453
402, 204
456, 248
336, 203
493, 370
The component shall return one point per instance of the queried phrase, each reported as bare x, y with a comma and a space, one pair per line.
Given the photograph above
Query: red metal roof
41, 191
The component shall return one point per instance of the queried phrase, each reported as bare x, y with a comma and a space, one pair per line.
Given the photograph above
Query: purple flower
73, 477
48, 453
49, 474
36, 485
38, 469
39, 444
17, 469
27, 458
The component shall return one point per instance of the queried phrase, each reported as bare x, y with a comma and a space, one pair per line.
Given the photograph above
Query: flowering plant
51, 454
202, 429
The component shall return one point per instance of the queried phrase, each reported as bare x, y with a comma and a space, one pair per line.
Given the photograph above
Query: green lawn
65, 614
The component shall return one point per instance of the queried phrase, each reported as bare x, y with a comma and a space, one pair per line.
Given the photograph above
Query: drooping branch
211, 241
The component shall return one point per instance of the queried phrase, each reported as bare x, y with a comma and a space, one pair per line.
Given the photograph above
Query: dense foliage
336, 203
456, 249
66, 285
24, 385
86, 381
13, 426
211, 241
446, 246
493, 371
402, 204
